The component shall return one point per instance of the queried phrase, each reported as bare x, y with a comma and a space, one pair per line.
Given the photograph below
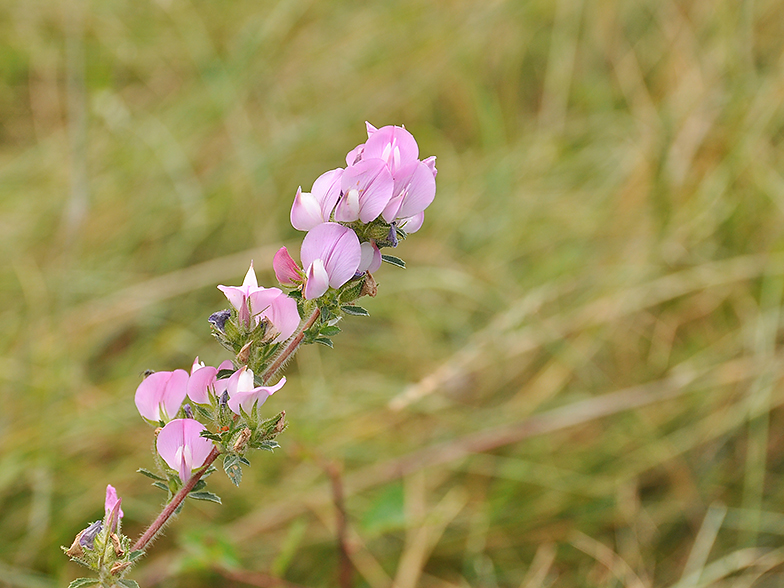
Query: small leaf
222, 374
392, 260
204, 495
79, 582
231, 465
208, 435
324, 341
200, 485
134, 555
244, 461
330, 330
354, 310
269, 445
149, 474
128, 583
161, 485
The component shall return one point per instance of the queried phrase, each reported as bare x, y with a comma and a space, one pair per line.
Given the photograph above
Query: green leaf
204, 495
200, 485
212, 436
324, 341
79, 582
244, 461
222, 374
231, 465
269, 445
392, 260
354, 310
161, 485
134, 555
330, 330
128, 583
149, 474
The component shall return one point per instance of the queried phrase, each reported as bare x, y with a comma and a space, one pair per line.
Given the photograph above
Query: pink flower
160, 394
366, 188
112, 507
244, 393
254, 303
331, 255
415, 189
181, 446
204, 381
315, 207
286, 269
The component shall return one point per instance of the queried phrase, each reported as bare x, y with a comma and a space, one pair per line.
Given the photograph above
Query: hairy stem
288, 351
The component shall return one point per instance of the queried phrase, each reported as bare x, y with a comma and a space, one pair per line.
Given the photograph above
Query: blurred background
577, 380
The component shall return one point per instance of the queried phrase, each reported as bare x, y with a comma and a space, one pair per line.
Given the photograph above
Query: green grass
576, 381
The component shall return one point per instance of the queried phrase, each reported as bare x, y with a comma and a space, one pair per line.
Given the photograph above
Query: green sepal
354, 310
392, 260
134, 555
351, 291
203, 412
326, 341
149, 474
79, 582
128, 583
204, 495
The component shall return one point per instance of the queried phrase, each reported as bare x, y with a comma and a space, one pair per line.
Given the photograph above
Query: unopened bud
188, 411
242, 439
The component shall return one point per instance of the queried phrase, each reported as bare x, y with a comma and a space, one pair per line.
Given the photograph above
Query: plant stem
177, 500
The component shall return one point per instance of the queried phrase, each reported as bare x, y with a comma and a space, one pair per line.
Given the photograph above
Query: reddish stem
178, 498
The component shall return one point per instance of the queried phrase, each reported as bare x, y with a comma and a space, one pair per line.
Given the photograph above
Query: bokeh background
577, 380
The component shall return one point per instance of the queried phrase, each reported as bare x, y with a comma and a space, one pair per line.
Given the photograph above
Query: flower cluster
349, 215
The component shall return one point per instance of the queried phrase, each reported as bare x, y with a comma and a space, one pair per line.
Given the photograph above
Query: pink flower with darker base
331, 255
160, 395
254, 303
182, 448
244, 393
204, 381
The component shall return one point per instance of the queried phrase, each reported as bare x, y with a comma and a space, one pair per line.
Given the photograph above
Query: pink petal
371, 257
250, 278
395, 145
199, 384
419, 193
318, 280
161, 390
373, 184
305, 211
342, 262
235, 295
430, 162
285, 316
112, 500
326, 190
179, 444
413, 223
247, 398
370, 128
286, 269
